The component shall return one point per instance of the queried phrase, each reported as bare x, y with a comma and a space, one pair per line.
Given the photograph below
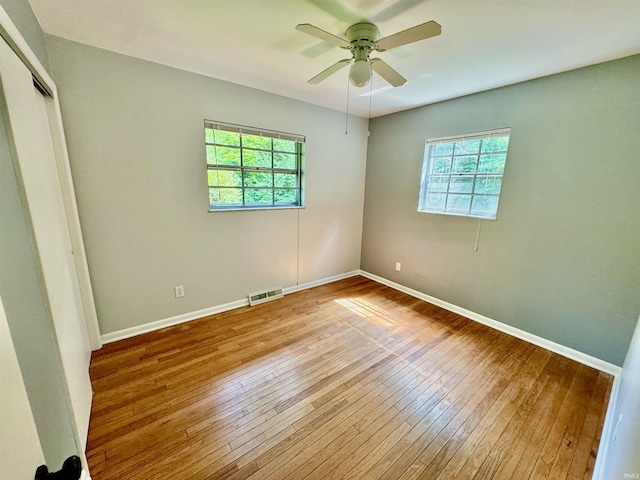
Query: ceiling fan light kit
362, 39
360, 73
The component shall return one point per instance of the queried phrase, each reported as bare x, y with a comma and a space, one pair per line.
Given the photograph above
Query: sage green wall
136, 144
563, 259
25, 20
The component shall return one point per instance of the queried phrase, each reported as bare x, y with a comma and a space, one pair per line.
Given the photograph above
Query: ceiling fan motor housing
362, 37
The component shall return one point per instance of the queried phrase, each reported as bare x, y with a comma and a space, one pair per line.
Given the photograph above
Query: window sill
253, 209
463, 215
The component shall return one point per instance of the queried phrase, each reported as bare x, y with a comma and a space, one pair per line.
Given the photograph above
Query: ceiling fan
362, 39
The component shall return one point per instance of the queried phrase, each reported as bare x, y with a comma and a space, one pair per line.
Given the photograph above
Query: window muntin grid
253, 169
463, 175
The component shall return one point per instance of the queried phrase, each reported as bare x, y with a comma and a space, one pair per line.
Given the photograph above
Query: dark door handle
71, 470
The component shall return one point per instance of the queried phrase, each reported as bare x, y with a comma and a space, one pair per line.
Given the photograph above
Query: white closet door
54, 246
27, 111
20, 450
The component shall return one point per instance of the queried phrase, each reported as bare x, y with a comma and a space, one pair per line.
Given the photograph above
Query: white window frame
242, 168
431, 186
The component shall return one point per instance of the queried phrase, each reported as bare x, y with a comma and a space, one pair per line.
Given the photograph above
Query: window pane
222, 137
211, 155
224, 178
488, 185
461, 184
253, 158
466, 147
492, 163
222, 155
255, 141
258, 179
284, 179
258, 196
208, 135
214, 196
458, 203
439, 183
497, 144
436, 201
284, 145
284, 160
442, 165
442, 149
465, 164
225, 196
482, 205
287, 196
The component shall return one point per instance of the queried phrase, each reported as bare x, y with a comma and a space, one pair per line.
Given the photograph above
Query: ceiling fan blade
383, 69
329, 71
322, 35
410, 35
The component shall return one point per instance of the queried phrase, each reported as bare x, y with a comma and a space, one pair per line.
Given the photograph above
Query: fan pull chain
370, 95
346, 120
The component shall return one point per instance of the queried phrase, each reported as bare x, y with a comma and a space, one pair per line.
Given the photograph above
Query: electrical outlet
398, 266
179, 291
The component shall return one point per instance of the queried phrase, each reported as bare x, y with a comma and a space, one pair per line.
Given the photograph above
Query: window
250, 168
463, 175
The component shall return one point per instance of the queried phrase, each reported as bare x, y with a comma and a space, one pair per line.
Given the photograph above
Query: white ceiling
484, 43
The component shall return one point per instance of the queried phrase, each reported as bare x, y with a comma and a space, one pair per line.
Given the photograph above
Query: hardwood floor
347, 380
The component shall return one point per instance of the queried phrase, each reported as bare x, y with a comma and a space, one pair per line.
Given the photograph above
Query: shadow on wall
327, 248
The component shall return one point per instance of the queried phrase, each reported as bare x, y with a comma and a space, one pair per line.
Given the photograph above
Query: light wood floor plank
350, 380
474, 460
434, 389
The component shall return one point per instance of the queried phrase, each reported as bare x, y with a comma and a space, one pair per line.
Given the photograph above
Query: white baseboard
516, 332
322, 281
168, 322
187, 317
576, 355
